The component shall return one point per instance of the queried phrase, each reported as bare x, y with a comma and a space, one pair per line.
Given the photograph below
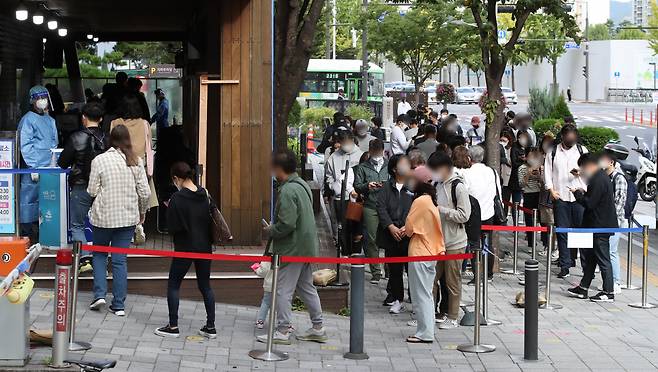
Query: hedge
544, 125
594, 138
313, 116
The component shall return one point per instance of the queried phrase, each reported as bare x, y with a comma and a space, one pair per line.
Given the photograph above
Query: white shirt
399, 186
399, 142
480, 181
411, 133
403, 107
557, 172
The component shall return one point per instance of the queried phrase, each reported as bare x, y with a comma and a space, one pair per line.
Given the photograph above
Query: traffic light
585, 72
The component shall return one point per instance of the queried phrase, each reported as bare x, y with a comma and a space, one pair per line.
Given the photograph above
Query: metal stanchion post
629, 260
73, 345
357, 299
515, 251
485, 287
476, 347
535, 223
60, 350
531, 316
645, 271
551, 246
268, 354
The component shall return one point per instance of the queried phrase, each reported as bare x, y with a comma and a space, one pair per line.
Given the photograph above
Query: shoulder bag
219, 230
499, 217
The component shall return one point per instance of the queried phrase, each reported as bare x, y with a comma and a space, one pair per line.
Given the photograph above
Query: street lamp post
654, 74
364, 64
587, 51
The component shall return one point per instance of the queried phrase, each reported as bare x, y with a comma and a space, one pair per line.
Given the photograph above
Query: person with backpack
80, 149
561, 173
455, 211
625, 199
531, 178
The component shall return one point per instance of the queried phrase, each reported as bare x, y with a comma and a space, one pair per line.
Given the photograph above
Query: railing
639, 95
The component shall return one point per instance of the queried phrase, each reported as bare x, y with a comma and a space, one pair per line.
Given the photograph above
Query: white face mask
42, 103
534, 162
348, 147
437, 177
504, 143
377, 159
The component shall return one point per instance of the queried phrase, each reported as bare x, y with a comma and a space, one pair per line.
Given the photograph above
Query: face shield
40, 97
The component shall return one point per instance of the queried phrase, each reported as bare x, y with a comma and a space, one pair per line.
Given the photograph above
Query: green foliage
600, 31
653, 22
313, 116
545, 35
594, 138
347, 14
357, 112
548, 125
298, 304
344, 311
295, 115
147, 52
445, 93
540, 103
560, 110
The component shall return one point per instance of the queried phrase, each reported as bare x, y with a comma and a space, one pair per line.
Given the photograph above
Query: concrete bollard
531, 312
357, 303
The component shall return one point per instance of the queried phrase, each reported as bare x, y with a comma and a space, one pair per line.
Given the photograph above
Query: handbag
354, 211
499, 217
219, 230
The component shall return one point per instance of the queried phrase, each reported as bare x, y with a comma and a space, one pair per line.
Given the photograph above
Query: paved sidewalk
582, 336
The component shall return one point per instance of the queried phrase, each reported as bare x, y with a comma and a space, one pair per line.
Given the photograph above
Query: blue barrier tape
33, 170
604, 230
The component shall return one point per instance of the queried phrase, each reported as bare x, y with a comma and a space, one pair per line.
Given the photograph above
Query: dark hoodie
188, 219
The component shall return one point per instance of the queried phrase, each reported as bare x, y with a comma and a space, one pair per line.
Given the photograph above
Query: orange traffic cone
310, 146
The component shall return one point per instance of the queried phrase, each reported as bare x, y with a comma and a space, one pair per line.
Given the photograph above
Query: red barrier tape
514, 228
521, 208
247, 258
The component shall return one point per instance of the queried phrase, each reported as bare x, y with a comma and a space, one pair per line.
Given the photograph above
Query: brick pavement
582, 336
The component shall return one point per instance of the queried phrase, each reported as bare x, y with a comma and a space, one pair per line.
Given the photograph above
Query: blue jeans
117, 237
567, 214
79, 204
264, 305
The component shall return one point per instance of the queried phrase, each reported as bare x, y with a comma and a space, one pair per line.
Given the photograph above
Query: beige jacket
138, 128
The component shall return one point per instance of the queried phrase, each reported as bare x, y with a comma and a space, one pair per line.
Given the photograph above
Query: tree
545, 38
421, 41
147, 52
653, 32
295, 25
600, 31
347, 16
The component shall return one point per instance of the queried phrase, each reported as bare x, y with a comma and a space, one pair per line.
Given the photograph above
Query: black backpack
554, 150
631, 194
474, 224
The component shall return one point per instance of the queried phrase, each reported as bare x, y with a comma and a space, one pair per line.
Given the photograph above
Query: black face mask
568, 143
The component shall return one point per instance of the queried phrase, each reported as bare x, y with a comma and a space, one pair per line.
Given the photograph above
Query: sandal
416, 340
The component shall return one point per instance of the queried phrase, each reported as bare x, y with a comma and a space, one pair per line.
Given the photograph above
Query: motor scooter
646, 175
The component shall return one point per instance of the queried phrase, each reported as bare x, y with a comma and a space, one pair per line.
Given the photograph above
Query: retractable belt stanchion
357, 298
476, 347
530, 310
485, 285
551, 245
629, 260
60, 350
268, 354
515, 251
75, 345
645, 271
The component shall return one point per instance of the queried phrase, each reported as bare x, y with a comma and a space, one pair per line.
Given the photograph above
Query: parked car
393, 86
466, 95
510, 96
479, 92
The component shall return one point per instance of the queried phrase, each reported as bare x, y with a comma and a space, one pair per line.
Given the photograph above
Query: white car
466, 95
480, 91
510, 96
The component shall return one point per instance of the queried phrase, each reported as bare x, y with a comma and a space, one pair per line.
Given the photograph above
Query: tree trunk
417, 85
513, 79
554, 65
459, 75
494, 92
468, 76
450, 73
478, 76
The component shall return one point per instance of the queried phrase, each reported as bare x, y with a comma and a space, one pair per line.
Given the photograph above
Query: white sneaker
140, 235
279, 338
617, 289
97, 304
412, 323
440, 318
555, 255
449, 324
315, 335
396, 308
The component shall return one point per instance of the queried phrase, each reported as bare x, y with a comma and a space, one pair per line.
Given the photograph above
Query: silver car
510, 96
466, 95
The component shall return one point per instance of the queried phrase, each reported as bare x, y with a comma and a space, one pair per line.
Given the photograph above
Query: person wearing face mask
475, 134
531, 179
412, 131
368, 181
399, 142
455, 210
545, 200
37, 134
523, 122
362, 136
429, 143
599, 204
393, 203
517, 158
608, 163
506, 142
189, 223
561, 172
403, 106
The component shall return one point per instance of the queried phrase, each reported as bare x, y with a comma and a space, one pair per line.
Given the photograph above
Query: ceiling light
62, 32
21, 12
90, 36
44, 40
96, 39
37, 18
52, 24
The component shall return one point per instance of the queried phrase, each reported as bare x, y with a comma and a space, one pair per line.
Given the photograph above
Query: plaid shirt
121, 192
621, 190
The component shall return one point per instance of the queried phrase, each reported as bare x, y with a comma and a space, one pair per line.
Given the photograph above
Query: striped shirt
531, 184
121, 192
621, 189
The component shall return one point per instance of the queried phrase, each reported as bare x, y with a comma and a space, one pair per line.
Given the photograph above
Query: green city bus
324, 78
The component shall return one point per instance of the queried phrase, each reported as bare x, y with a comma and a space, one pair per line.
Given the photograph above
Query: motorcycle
646, 176
621, 152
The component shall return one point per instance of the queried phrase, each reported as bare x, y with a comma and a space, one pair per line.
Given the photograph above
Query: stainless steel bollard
268, 354
476, 347
535, 223
645, 271
60, 350
515, 251
357, 304
73, 345
551, 246
530, 311
629, 260
485, 290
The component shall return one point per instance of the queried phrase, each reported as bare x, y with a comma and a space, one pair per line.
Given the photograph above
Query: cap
159, 91
37, 92
361, 124
423, 174
475, 119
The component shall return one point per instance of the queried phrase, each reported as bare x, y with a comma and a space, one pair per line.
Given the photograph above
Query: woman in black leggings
189, 222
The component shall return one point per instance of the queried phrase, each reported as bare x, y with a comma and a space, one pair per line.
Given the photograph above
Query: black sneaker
603, 297
167, 331
117, 312
388, 301
471, 282
97, 304
577, 292
564, 273
208, 332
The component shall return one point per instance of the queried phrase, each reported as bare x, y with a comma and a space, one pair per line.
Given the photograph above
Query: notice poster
7, 207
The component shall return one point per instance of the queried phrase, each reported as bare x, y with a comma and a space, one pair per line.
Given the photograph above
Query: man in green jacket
294, 233
368, 180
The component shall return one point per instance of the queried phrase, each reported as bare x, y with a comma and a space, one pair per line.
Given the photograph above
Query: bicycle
92, 365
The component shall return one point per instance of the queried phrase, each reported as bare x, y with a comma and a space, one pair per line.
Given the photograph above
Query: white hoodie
334, 168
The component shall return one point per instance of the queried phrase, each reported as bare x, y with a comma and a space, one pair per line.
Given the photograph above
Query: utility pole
333, 45
587, 51
654, 74
364, 64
